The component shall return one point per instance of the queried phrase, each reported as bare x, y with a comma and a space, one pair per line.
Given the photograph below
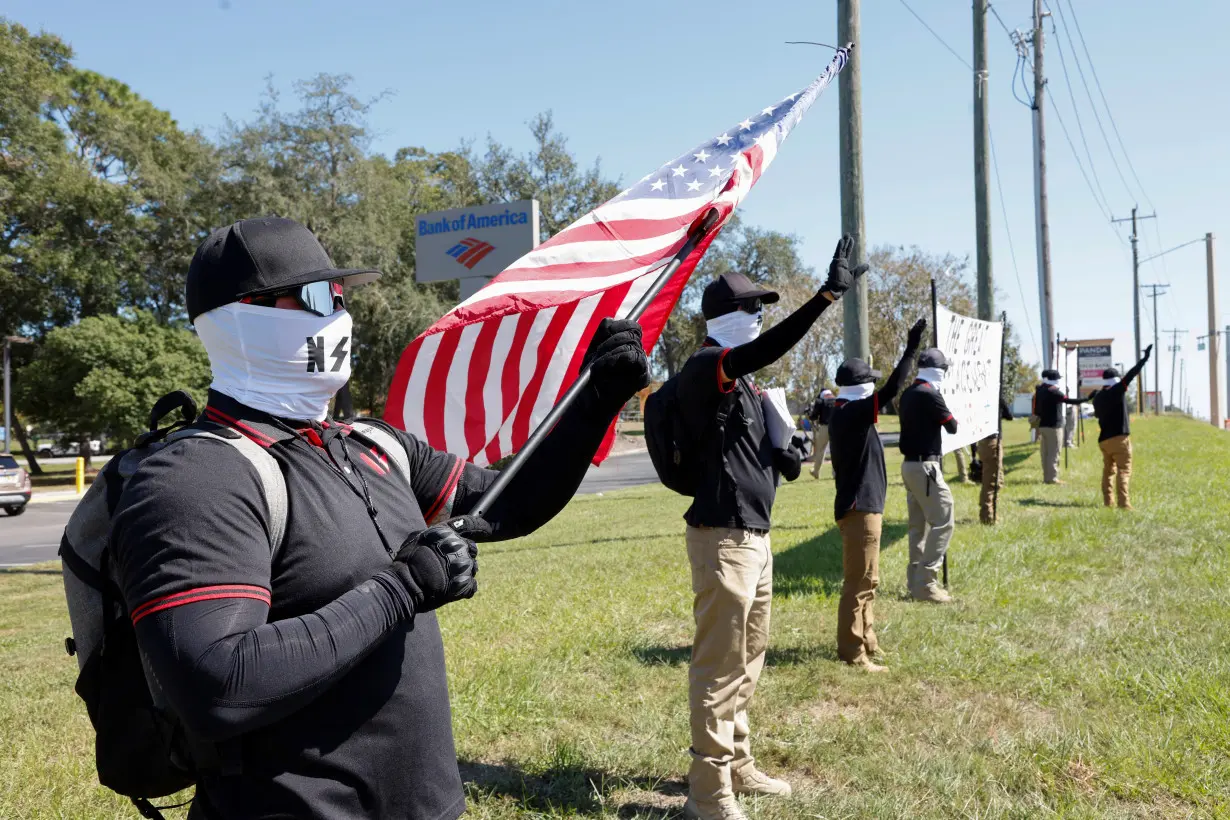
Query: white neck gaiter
854, 392
735, 328
288, 363
932, 375
1051, 382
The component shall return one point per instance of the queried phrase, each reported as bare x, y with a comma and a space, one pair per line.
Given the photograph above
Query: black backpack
675, 448
140, 748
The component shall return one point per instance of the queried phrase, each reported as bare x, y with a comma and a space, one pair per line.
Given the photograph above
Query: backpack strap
267, 468
387, 442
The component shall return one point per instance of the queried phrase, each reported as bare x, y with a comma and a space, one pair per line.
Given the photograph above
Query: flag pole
699, 230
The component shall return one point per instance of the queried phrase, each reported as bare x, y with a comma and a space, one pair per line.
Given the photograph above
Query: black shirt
822, 410
923, 414
855, 448
1048, 405
739, 480
1111, 407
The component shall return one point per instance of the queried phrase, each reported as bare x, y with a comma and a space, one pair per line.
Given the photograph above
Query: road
35, 535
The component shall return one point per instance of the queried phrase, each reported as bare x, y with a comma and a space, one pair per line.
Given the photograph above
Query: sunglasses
323, 298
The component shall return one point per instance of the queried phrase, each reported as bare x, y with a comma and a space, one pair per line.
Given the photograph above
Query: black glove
841, 278
620, 367
1148, 353
438, 565
914, 339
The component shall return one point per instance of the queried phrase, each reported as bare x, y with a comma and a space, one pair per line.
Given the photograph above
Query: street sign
473, 244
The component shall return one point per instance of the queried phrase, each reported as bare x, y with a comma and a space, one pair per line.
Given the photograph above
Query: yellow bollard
80, 475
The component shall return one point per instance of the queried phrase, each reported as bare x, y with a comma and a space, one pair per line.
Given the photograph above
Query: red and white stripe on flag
479, 380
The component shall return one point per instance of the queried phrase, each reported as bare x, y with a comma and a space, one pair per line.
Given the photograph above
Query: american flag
478, 381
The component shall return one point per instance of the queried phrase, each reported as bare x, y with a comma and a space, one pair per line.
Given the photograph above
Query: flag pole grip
698, 231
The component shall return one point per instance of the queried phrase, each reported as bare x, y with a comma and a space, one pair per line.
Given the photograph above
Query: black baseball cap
724, 295
933, 357
1051, 374
259, 256
855, 371
1110, 373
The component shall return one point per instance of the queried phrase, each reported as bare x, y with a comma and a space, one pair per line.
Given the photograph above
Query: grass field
1084, 671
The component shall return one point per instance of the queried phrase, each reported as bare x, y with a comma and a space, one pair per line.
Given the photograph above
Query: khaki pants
1069, 427
931, 522
819, 443
732, 579
992, 458
1049, 437
962, 467
1116, 470
860, 559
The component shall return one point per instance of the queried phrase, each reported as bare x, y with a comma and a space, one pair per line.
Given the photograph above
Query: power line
1092, 106
1105, 203
940, 39
1106, 105
1000, 19
1079, 165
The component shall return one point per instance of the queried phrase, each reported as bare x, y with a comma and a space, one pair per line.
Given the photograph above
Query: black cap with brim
1052, 374
933, 357
855, 371
254, 257
724, 294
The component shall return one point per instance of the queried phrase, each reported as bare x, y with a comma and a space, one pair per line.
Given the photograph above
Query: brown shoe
933, 594
724, 808
751, 780
866, 664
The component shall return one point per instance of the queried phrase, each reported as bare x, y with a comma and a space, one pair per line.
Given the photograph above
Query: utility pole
1140, 383
1182, 398
1174, 354
8, 398
850, 145
1214, 339
982, 192
1157, 378
1219, 421
1040, 205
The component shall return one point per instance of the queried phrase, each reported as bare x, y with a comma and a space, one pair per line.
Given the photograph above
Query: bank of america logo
470, 251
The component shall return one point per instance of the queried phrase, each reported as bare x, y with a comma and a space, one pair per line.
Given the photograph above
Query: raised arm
779, 339
1135, 371
896, 379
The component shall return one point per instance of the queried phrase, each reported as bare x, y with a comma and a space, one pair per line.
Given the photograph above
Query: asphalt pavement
34, 536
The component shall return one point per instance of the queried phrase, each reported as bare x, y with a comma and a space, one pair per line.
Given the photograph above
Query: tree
103, 374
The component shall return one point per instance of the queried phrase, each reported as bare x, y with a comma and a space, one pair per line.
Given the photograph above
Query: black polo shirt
857, 456
739, 482
379, 742
923, 414
1111, 408
1048, 405
822, 411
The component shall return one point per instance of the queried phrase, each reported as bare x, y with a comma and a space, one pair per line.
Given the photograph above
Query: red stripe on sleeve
370, 462
453, 477
209, 593
724, 387
875, 418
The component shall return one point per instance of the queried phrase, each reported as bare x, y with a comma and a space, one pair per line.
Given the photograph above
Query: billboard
1091, 360
473, 243
971, 387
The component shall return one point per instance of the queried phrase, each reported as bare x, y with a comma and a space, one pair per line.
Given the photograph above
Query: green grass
1084, 671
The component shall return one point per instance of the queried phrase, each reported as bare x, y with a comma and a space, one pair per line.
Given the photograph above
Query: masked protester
858, 508
924, 413
728, 526
821, 410
1048, 406
313, 670
1110, 407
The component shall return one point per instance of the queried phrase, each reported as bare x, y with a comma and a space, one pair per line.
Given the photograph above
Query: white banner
971, 387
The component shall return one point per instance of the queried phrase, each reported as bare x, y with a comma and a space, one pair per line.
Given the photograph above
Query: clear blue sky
638, 82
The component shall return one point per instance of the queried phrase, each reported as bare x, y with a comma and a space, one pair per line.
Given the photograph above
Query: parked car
67, 448
14, 485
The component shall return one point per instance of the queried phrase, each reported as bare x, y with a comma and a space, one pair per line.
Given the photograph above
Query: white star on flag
679, 170
658, 185
702, 156
746, 125
769, 110
722, 140
694, 185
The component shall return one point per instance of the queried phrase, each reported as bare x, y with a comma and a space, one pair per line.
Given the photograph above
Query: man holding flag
483, 378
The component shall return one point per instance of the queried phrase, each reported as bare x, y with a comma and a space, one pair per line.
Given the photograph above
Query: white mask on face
735, 328
288, 363
856, 392
933, 375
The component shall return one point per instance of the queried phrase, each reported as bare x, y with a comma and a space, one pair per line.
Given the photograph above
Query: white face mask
288, 363
856, 392
932, 375
735, 328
